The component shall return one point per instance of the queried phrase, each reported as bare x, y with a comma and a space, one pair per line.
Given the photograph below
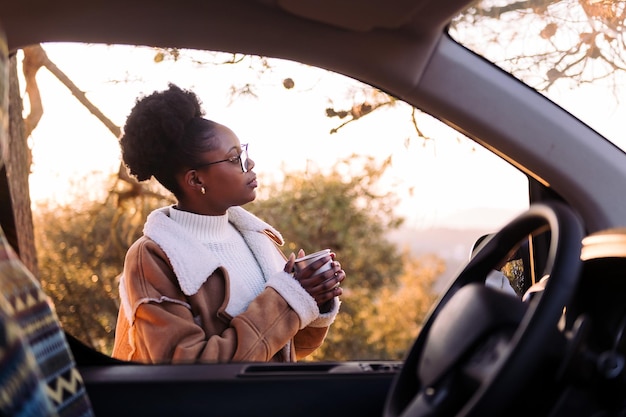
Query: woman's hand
322, 287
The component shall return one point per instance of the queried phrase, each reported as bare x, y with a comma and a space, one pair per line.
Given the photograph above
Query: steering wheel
478, 343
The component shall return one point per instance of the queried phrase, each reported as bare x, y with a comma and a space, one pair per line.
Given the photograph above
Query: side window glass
400, 197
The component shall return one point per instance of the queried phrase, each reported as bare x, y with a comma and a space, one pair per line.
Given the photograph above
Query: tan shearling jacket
174, 295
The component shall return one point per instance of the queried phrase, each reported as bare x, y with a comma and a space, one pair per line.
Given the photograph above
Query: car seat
38, 374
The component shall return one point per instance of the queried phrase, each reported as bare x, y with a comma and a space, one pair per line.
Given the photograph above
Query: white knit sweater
226, 243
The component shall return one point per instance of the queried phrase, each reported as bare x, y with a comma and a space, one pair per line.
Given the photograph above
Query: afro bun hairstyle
153, 142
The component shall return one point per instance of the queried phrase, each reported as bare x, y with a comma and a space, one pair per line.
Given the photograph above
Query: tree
578, 41
81, 246
17, 169
79, 268
18, 161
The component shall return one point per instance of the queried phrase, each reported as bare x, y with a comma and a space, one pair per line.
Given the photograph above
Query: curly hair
164, 133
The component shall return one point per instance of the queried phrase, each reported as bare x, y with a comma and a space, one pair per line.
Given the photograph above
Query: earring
202, 190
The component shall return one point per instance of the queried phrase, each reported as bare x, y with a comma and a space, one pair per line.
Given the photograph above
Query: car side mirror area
515, 274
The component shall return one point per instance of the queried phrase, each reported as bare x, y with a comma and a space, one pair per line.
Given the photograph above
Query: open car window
400, 197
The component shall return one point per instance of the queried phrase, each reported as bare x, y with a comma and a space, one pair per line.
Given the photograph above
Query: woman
207, 281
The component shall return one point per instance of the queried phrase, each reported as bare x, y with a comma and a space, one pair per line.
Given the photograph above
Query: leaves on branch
549, 31
164, 53
584, 39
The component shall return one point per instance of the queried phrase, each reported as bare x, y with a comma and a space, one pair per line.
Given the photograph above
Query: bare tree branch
35, 57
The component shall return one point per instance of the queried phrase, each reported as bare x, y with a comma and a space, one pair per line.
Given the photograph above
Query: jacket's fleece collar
193, 263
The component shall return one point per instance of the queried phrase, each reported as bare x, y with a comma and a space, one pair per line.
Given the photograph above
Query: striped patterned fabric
22, 387
24, 302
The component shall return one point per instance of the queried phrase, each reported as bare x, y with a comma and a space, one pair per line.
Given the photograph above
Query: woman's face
224, 181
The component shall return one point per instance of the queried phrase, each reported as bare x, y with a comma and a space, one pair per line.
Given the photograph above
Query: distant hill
480, 217
454, 242
452, 245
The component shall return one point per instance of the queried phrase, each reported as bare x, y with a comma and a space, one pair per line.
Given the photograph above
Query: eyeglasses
241, 159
